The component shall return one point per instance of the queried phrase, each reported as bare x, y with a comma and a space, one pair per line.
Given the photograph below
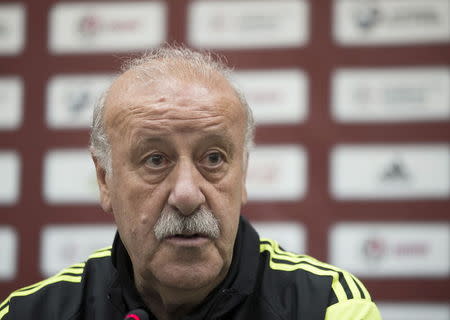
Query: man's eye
213, 159
156, 160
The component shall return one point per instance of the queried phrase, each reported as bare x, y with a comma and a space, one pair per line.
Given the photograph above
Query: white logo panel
277, 173
409, 94
392, 250
275, 96
8, 253
291, 236
246, 24
391, 22
414, 311
11, 101
9, 177
390, 171
69, 177
71, 99
62, 246
106, 27
12, 28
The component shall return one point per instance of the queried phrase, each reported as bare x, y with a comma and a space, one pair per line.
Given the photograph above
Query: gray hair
150, 67
171, 222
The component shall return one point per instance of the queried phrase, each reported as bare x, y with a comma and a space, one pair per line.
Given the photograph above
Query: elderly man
170, 143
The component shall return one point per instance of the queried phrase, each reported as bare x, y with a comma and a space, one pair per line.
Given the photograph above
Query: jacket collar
239, 282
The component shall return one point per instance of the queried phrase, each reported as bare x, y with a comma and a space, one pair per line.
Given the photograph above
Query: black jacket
264, 282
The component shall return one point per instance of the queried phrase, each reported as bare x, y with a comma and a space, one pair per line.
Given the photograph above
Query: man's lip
188, 235
193, 241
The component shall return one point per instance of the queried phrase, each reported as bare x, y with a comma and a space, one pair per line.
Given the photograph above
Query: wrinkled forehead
133, 97
134, 82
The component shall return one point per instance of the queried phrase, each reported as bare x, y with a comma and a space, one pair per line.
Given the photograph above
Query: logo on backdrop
374, 248
394, 96
79, 101
91, 25
395, 171
247, 22
401, 95
377, 249
368, 15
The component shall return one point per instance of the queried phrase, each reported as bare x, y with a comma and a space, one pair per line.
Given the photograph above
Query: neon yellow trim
76, 269
335, 284
44, 283
292, 257
100, 254
350, 279
70, 269
364, 290
278, 249
6, 300
3, 312
103, 249
296, 257
59, 277
78, 265
351, 284
40, 285
264, 246
353, 309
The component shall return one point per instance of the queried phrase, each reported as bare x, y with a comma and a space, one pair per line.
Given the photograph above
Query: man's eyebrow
140, 146
221, 139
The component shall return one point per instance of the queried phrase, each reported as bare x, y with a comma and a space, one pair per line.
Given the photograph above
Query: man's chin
190, 275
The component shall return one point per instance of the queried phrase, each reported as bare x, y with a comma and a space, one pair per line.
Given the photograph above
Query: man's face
177, 146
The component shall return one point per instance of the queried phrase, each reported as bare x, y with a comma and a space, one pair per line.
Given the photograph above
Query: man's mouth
195, 239
187, 236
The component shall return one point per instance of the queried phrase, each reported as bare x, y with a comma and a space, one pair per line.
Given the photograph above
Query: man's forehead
132, 89
171, 104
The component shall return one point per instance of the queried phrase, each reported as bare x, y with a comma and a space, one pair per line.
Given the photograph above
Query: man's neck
172, 303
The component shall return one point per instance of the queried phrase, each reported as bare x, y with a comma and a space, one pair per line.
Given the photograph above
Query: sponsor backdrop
352, 156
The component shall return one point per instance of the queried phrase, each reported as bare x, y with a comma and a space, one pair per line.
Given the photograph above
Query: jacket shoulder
309, 288
58, 297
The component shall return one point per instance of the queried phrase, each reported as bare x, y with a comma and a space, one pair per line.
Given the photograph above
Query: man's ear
103, 185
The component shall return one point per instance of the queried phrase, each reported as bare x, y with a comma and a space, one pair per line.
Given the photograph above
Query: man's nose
186, 194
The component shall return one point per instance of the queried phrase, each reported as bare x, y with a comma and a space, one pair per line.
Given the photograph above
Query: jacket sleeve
350, 300
353, 309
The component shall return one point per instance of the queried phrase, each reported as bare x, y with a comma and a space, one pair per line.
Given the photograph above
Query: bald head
162, 67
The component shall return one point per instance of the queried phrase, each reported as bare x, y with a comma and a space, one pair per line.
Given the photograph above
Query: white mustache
171, 223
